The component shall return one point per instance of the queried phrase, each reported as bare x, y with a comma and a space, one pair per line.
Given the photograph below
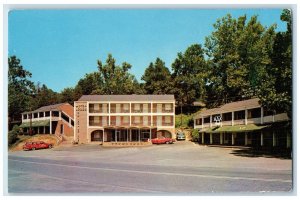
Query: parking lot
183, 167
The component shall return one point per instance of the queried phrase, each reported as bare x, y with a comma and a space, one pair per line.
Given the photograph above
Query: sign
217, 120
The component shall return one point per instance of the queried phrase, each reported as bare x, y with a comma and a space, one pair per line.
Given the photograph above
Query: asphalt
183, 168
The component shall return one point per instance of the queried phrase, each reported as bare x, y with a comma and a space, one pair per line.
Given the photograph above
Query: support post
261, 115
139, 135
103, 137
232, 138
261, 139
202, 138
210, 121
246, 139
44, 129
50, 122
288, 140
127, 135
221, 138
210, 138
274, 139
116, 136
232, 118
246, 117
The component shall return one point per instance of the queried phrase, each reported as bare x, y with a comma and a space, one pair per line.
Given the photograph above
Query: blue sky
60, 46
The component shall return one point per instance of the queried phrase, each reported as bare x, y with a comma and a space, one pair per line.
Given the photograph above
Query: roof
50, 107
35, 123
236, 128
132, 97
234, 106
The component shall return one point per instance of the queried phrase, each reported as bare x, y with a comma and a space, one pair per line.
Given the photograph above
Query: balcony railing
98, 111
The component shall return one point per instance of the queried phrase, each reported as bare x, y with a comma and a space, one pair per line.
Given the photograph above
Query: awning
235, 128
35, 123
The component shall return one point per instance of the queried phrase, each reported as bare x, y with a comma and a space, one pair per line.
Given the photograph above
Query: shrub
195, 135
187, 121
13, 135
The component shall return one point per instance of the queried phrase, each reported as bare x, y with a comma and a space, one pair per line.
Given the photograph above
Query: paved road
179, 168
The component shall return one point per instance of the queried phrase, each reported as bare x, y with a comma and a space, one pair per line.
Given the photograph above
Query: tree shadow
281, 153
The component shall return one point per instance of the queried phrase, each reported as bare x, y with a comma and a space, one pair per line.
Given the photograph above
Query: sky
60, 46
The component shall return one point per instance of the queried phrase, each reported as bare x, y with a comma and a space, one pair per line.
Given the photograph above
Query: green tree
68, 95
92, 83
117, 79
238, 53
189, 75
275, 92
19, 89
42, 96
157, 78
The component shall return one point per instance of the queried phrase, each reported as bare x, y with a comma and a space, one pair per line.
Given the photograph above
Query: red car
162, 140
36, 145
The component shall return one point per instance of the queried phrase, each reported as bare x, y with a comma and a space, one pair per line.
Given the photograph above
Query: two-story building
123, 118
243, 123
54, 119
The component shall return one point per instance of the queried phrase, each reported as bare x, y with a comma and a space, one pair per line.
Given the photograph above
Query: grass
22, 139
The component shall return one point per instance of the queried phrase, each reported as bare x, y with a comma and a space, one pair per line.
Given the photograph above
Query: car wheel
50, 146
33, 149
167, 142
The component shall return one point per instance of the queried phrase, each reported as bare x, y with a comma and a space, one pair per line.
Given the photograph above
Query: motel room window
118, 108
145, 108
104, 108
61, 129
167, 120
168, 107
136, 108
206, 120
137, 120
239, 115
25, 116
47, 114
199, 121
159, 108
126, 108
254, 113
104, 121
35, 115
227, 116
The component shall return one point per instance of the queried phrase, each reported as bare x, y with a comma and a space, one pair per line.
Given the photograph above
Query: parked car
180, 136
162, 140
36, 145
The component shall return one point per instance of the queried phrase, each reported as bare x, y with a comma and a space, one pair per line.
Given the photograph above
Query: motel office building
243, 123
123, 118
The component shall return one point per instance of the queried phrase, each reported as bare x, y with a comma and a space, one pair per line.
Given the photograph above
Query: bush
195, 135
13, 135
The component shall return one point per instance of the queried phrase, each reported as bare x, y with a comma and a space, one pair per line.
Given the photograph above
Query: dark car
162, 140
36, 145
180, 136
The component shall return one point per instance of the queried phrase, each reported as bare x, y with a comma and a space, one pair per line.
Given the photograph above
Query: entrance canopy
236, 128
35, 123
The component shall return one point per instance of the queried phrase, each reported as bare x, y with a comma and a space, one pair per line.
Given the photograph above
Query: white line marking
161, 173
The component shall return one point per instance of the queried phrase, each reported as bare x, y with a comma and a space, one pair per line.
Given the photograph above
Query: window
145, 108
41, 114
227, 116
254, 113
159, 108
206, 120
239, 115
35, 115
199, 121
168, 107
25, 116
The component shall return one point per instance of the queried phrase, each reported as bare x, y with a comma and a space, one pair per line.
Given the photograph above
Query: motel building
55, 119
243, 123
123, 119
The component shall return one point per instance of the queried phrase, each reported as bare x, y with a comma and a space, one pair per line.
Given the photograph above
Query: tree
238, 53
92, 83
19, 88
42, 96
117, 79
276, 88
68, 95
157, 78
189, 75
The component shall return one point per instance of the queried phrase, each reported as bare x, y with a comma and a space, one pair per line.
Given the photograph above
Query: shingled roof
234, 106
127, 98
47, 108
